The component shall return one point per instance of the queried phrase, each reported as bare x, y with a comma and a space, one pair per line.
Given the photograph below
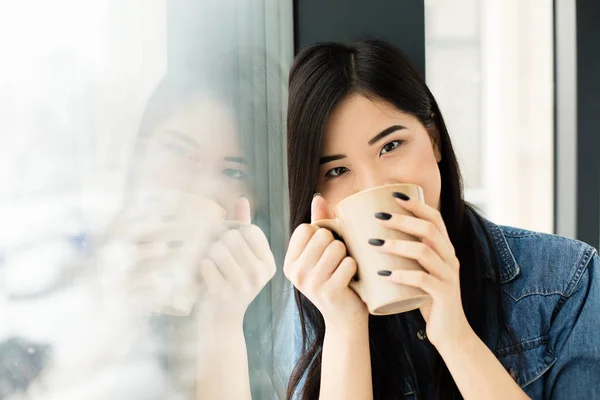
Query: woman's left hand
445, 317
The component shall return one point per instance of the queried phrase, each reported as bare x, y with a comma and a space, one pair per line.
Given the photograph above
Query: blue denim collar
508, 268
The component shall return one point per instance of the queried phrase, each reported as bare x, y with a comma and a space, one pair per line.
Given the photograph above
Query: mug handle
334, 226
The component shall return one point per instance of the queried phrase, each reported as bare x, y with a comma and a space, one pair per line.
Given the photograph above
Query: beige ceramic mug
355, 223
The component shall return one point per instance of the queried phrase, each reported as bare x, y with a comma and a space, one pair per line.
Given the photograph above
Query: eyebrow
183, 137
239, 160
376, 138
326, 159
385, 133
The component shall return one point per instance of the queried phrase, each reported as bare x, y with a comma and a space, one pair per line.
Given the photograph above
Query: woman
513, 312
190, 166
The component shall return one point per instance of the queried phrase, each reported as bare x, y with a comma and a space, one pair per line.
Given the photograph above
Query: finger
147, 256
227, 265
424, 230
319, 209
329, 262
150, 250
239, 248
429, 284
300, 238
315, 248
260, 271
159, 223
299, 270
344, 273
210, 276
242, 210
258, 243
421, 253
423, 211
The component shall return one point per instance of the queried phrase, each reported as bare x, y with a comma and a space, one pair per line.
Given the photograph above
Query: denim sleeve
575, 336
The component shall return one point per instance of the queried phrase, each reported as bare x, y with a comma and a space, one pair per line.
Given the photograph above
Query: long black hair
320, 78
231, 83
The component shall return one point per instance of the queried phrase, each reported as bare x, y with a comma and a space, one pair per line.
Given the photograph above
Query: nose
372, 178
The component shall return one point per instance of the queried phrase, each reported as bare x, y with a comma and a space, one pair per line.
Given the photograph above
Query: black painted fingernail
376, 242
382, 215
384, 272
400, 196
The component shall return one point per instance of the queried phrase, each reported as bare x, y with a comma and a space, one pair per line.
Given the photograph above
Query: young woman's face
370, 143
197, 150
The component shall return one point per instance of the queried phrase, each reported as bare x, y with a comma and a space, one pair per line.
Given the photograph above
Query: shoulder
547, 282
547, 264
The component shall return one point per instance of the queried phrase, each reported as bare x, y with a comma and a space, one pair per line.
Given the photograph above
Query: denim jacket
551, 296
550, 288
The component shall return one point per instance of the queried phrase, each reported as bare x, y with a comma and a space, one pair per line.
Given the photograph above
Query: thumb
242, 210
319, 208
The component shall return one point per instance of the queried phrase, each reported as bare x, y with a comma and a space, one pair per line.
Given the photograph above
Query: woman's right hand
319, 267
236, 268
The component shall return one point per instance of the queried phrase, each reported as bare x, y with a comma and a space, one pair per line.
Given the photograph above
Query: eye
194, 159
390, 146
335, 172
235, 174
176, 149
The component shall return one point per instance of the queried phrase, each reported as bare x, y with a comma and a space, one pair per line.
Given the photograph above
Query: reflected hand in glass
166, 235
236, 268
183, 249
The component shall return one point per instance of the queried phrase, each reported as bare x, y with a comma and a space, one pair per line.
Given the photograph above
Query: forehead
207, 123
358, 117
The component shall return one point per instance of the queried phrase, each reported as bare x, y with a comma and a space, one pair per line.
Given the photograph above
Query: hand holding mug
319, 267
356, 224
236, 267
445, 317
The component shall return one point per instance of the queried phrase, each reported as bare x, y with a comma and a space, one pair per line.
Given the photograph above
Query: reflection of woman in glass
190, 164
514, 313
189, 141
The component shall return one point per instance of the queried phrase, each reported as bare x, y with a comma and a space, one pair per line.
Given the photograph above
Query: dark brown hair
320, 78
